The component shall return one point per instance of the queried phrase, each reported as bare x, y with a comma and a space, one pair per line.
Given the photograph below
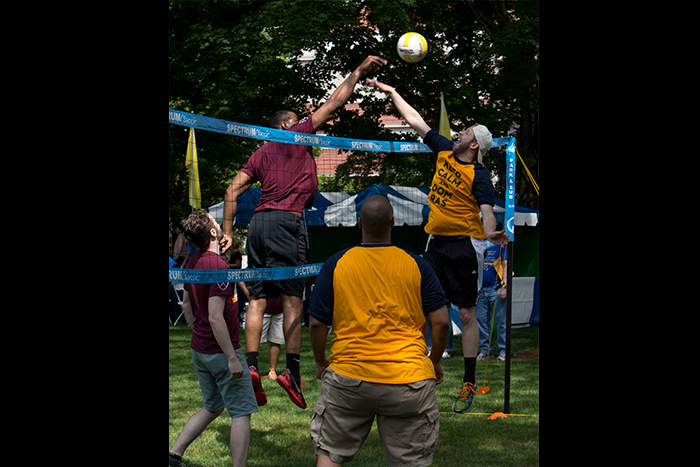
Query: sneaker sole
456, 410
290, 391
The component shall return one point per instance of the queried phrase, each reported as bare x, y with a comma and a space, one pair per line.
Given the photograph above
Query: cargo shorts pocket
418, 385
317, 424
340, 381
432, 430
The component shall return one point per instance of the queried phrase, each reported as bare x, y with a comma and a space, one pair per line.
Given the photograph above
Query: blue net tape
210, 276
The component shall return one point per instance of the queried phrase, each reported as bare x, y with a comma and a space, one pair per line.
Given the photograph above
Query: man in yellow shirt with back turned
376, 297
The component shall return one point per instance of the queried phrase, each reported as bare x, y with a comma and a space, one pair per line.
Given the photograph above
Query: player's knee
292, 305
466, 315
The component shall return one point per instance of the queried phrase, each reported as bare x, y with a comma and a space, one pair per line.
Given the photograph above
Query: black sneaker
173, 462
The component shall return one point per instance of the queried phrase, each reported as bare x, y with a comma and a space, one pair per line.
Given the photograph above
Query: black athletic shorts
276, 239
459, 264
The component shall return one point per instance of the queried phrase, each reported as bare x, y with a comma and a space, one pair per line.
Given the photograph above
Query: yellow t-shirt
376, 297
457, 191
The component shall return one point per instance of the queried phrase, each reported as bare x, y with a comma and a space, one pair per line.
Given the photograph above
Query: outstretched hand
372, 62
381, 86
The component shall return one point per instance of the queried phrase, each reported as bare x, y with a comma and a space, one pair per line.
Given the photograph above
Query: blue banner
510, 188
500, 141
201, 122
210, 276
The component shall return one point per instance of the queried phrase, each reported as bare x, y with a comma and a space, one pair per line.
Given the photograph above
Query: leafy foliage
238, 60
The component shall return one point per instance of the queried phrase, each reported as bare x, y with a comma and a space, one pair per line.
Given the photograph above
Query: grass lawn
280, 432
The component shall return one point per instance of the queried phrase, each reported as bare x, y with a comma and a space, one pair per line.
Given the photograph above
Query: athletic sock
293, 360
470, 370
252, 359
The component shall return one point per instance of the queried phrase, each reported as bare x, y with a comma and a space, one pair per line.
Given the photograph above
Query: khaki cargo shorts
408, 419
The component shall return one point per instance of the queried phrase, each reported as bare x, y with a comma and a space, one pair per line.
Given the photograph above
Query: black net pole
509, 315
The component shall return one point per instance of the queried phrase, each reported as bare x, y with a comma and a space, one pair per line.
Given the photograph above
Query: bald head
376, 220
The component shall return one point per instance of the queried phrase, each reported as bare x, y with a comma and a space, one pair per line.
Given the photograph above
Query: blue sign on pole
510, 190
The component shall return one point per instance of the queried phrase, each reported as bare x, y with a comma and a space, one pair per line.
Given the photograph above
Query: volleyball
412, 47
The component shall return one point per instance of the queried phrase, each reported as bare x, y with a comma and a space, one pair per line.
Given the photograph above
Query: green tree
237, 60
222, 64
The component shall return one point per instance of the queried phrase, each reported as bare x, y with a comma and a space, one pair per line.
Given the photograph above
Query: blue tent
342, 209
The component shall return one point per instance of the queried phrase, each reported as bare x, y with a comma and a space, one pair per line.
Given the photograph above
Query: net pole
509, 315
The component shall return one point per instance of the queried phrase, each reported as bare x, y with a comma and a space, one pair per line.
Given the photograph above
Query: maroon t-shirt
274, 306
203, 340
287, 172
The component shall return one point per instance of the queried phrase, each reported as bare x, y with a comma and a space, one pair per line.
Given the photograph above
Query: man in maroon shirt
277, 235
216, 352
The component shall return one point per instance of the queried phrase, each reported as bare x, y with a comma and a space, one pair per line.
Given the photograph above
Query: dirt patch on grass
528, 355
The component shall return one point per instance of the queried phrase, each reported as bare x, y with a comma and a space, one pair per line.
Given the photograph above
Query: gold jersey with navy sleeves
376, 298
457, 191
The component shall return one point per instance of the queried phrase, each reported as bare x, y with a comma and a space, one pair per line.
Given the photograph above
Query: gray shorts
408, 419
217, 391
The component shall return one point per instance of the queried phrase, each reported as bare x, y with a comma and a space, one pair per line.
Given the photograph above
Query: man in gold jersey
461, 190
376, 297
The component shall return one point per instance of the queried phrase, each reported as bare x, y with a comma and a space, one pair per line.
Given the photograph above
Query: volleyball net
327, 224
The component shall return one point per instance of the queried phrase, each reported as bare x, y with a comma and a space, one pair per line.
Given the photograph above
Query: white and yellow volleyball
412, 47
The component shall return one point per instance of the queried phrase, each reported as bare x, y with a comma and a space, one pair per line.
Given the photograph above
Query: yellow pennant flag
191, 164
444, 120
498, 266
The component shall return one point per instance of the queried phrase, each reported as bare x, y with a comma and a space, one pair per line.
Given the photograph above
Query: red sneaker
260, 396
286, 380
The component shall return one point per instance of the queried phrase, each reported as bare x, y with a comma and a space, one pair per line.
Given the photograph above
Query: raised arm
241, 182
343, 92
407, 112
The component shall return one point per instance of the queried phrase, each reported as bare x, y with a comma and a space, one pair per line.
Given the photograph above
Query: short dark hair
197, 227
278, 117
